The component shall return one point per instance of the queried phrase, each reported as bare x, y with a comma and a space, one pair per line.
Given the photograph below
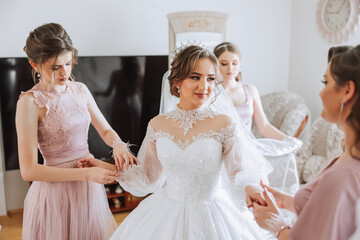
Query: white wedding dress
197, 164
280, 154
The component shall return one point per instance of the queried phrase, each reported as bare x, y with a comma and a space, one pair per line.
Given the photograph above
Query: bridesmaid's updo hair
48, 41
228, 47
185, 62
345, 67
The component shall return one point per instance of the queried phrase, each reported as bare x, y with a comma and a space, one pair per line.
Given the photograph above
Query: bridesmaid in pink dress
326, 206
63, 202
247, 102
246, 98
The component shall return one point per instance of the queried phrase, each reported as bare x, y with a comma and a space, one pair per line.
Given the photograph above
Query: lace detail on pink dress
55, 127
79, 95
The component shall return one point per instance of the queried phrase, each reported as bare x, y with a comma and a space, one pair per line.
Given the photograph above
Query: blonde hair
185, 62
228, 47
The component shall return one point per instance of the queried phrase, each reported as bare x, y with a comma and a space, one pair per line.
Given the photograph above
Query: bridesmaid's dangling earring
341, 110
178, 90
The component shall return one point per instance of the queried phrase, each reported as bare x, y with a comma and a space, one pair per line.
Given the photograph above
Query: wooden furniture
126, 200
120, 201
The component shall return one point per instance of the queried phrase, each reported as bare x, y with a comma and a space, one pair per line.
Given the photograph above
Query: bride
197, 163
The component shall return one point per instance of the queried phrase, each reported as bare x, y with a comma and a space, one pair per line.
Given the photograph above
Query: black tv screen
127, 90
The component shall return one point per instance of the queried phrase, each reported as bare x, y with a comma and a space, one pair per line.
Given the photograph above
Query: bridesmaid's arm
263, 124
27, 117
111, 138
93, 162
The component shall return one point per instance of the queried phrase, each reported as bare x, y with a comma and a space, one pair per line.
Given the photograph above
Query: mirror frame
195, 21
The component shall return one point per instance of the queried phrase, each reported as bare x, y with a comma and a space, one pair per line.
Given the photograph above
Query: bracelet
119, 143
122, 145
282, 228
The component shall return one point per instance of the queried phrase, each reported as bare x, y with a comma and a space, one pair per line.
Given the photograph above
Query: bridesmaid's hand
122, 156
101, 175
268, 217
279, 196
88, 162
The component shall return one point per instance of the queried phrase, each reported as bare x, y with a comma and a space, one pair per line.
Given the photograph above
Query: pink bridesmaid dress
65, 210
246, 109
326, 205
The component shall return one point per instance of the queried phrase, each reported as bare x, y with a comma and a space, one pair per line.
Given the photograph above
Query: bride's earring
178, 90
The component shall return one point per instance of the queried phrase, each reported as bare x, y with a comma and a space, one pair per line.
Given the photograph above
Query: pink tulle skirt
67, 210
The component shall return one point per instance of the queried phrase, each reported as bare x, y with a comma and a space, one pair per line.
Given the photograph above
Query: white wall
260, 28
309, 54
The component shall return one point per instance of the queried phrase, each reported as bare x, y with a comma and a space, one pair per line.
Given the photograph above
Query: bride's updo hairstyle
345, 67
228, 47
185, 62
48, 41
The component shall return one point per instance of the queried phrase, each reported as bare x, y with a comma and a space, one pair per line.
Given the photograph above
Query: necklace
187, 119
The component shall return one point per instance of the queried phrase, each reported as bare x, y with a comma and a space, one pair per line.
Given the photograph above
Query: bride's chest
196, 156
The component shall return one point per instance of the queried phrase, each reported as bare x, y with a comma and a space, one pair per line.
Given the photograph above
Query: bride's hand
268, 217
101, 175
254, 194
278, 195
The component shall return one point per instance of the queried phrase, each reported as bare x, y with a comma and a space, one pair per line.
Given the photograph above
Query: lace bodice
187, 119
193, 167
191, 164
63, 132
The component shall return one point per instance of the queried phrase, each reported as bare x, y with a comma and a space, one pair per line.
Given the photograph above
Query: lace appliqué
79, 95
225, 134
55, 126
187, 119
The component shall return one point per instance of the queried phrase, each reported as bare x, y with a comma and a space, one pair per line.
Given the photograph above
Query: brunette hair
345, 67
48, 41
228, 47
185, 62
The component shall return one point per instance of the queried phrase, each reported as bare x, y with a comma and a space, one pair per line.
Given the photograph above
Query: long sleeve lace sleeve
243, 163
148, 176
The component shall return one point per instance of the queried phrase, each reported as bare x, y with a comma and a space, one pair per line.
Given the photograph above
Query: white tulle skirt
158, 217
76, 210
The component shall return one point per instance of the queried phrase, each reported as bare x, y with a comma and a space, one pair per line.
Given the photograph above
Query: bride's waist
191, 193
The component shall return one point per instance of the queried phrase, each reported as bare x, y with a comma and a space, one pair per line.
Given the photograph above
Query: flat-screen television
127, 90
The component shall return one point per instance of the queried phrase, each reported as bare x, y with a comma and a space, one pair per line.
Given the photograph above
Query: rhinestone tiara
185, 45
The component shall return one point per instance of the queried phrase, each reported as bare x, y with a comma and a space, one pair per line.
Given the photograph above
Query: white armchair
287, 112
320, 147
